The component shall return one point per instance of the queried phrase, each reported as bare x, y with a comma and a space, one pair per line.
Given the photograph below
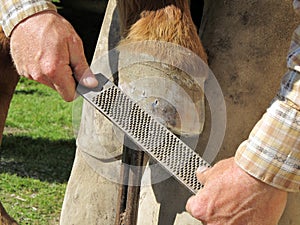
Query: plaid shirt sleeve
272, 151
13, 12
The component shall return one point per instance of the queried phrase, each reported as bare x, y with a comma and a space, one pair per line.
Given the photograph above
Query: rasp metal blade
150, 135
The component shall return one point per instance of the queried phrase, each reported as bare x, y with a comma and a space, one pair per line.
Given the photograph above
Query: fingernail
202, 169
90, 81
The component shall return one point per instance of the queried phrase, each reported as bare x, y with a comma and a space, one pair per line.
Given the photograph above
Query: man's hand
232, 197
46, 48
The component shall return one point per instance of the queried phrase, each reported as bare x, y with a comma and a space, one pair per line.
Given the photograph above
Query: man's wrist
12, 13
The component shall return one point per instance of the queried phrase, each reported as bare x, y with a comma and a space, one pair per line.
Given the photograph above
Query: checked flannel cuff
13, 12
272, 151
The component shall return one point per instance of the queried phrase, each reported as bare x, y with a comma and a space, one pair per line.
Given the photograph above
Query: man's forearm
12, 12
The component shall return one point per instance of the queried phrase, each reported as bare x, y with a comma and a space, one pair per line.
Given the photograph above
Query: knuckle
75, 40
50, 69
200, 209
198, 213
39, 78
80, 69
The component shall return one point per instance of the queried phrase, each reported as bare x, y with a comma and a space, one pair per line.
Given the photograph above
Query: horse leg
8, 81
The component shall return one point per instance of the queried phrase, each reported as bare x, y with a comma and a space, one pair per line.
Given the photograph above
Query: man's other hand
232, 197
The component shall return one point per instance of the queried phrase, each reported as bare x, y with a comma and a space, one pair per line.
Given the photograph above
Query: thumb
202, 174
79, 65
86, 78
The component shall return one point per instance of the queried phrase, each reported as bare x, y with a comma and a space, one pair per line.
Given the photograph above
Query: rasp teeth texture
153, 137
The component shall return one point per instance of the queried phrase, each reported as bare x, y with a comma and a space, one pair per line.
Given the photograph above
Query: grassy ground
37, 154
39, 143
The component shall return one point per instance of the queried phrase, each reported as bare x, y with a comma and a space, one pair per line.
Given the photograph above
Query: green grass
37, 154
31, 201
40, 112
